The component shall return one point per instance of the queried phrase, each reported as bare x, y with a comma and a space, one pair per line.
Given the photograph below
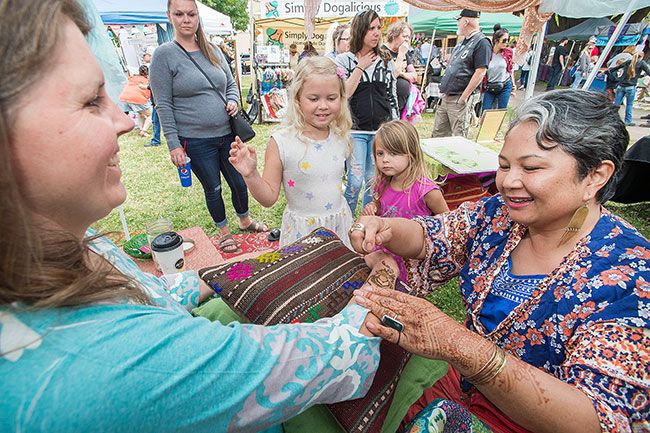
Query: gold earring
577, 220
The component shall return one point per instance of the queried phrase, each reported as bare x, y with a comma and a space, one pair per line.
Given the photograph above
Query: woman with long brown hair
370, 84
89, 342
195, 119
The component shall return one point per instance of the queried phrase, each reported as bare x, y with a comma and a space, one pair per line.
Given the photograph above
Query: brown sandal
228, 245
255, 227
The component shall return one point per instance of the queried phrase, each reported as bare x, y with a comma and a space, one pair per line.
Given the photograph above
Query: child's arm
436, 202
370, 209
264, 188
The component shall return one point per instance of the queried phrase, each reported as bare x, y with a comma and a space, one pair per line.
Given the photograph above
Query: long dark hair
39, 267
358, 29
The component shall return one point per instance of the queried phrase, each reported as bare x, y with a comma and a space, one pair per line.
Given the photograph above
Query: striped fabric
309, 279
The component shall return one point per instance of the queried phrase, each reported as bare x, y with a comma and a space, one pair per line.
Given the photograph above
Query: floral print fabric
587, 321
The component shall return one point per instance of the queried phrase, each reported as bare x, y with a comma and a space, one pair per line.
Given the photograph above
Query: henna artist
557, 288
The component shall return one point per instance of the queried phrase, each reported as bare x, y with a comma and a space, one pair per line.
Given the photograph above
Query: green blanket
419, 374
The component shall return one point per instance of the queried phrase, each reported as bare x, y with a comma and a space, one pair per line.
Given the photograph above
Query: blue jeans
577, 80
361, 169
627, 92
523, 78
502, 98
155, 121
209, 159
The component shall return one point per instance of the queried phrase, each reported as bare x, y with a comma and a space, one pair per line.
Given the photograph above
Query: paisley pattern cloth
586, 323
444, 416
151, 368
311, 176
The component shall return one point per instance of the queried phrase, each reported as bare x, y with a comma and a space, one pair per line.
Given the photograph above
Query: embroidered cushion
311, 278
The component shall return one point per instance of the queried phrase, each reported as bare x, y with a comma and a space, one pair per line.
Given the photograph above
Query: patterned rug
248, 243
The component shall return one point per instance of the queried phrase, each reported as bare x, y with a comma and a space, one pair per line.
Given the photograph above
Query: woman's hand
368, 232
232, 108
243, 157
365, 61
427, 331
178, 157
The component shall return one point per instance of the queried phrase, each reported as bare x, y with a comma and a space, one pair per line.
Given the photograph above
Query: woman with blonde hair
630, 70
338, 42
194, 117
89, 342
398, 45
306, 156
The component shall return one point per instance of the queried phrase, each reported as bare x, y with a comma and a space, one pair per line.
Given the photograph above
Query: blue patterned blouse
586, 323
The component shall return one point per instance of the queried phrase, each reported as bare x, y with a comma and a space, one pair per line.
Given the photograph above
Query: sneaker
630, 124
646, 117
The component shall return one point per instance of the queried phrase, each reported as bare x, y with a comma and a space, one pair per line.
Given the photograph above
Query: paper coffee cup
168, 248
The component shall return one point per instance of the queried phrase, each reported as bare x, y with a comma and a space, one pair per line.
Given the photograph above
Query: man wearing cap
465, 72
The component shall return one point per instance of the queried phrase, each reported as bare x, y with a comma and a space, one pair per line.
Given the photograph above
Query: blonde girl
306, 155
402, 188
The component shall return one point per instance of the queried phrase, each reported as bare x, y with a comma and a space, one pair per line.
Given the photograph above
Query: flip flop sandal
256, 227
228, 245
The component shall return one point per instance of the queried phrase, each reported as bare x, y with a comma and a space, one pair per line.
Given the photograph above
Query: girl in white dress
306, 155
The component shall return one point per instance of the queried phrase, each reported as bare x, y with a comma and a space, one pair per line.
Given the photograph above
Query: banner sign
282, 9
284, 34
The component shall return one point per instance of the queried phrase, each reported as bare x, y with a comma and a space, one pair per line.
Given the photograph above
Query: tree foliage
237, 10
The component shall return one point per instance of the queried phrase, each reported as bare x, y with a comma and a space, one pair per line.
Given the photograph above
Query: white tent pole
426, 65
612, 40
125, 228
532, 75
568, 57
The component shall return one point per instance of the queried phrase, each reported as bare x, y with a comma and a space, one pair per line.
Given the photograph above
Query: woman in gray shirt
500, 80
194, 118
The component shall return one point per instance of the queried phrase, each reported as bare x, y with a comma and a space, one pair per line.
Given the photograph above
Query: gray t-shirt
185, 101
497, 70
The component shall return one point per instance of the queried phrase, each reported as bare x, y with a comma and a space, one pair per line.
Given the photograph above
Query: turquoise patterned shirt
154, 368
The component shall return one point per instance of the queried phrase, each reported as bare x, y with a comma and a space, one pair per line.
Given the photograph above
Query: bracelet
491, 369
359, 68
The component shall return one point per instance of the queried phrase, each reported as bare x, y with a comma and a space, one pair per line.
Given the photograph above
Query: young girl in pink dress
402, 188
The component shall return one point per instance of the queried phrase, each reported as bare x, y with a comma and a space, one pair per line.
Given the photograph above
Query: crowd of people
556, 288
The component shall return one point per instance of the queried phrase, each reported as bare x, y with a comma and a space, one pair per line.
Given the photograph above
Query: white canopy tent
155, 11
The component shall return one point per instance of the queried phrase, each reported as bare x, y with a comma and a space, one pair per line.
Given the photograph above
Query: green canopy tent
424, 21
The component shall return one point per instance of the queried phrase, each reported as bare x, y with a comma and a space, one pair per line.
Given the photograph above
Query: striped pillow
311, 278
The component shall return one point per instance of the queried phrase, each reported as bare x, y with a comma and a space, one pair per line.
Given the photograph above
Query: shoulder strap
203, 72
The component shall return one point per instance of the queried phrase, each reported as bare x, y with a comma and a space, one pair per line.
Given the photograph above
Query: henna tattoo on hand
384, 278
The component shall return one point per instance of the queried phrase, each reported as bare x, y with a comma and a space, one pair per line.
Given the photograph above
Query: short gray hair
586, 125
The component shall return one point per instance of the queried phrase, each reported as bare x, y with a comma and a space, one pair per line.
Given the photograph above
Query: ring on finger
357, 227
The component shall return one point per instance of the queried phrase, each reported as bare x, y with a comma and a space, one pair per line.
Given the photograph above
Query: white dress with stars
311, 176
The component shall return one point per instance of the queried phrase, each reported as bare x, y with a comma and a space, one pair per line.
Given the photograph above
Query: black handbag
495, 87
239, 123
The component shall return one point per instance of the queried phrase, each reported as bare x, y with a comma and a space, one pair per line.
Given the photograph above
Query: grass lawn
154, 191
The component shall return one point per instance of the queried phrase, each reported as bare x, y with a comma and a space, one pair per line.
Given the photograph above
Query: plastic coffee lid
166, 242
